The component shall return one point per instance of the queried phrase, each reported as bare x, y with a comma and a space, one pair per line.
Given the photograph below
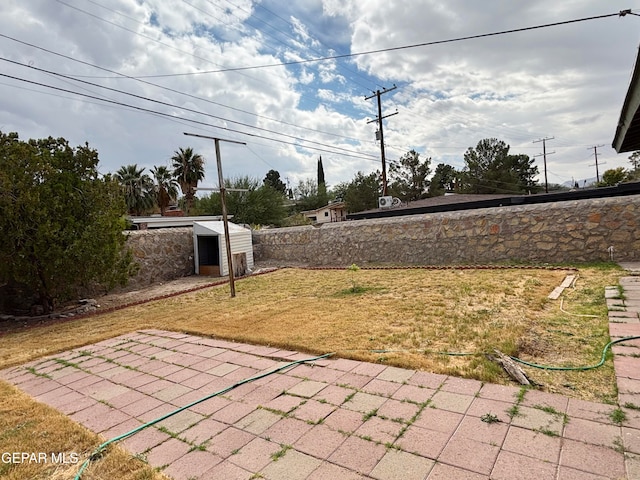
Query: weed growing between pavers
489, 418
618, 416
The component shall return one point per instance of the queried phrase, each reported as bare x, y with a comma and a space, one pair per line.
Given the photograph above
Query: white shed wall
240, 240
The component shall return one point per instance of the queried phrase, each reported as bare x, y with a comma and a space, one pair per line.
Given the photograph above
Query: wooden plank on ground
556, 293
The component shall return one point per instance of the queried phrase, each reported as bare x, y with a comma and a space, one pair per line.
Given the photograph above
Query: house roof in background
450, 203
447, 199
627, 137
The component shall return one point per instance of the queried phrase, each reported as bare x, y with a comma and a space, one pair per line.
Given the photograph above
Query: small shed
211, 253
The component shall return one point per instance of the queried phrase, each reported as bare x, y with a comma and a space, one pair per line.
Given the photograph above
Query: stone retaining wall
162, 254
572, 231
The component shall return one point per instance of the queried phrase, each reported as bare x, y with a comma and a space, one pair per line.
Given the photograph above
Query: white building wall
240, 243
240, 240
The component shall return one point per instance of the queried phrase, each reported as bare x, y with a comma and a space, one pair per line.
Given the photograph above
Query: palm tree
138, 188
166, 187
188, 169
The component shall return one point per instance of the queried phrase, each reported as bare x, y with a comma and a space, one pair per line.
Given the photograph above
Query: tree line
63, 222
489, 168
143, 193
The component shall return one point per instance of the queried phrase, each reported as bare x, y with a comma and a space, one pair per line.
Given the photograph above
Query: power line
212, 102
621, 13
141, 35
141, 97
155, 112
355, 72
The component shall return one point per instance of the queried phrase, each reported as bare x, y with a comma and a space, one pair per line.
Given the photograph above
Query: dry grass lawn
406, 318
32, 427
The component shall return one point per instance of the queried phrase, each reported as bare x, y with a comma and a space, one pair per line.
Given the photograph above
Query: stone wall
572, 231
162, 254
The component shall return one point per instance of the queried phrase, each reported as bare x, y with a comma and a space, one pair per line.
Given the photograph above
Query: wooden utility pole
595, 152
544, 156
381, 135
225, 221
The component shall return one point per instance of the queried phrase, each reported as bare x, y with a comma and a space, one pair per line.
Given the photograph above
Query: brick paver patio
624, 321
336, 418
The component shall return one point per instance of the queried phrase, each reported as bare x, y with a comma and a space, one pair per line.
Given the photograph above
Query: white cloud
567, 81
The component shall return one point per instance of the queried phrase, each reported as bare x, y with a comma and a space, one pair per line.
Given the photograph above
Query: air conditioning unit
385, 202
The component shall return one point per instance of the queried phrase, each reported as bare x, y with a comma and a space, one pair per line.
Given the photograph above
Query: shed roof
627, 137
162, 222
217, 228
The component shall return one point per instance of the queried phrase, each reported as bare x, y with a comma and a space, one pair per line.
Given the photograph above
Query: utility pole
595, 152
379, 120
544, 156
225, 221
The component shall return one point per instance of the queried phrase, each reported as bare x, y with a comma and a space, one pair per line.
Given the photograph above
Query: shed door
208, 250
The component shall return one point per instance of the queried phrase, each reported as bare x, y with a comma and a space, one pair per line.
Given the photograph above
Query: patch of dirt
160, 289
114, 300
532, 345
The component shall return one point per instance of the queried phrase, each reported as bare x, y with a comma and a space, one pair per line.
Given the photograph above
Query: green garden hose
515, 359
588, 367
104, 445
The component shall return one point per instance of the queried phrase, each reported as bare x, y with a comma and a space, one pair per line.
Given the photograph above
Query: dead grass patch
407, 318
413, 315
32, 427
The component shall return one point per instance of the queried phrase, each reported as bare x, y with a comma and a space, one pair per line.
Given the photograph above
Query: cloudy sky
246, 70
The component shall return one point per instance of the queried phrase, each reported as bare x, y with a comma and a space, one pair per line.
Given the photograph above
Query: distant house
332, 212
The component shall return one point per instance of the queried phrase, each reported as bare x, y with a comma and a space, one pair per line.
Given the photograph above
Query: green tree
137, 187
62, 223
308, 196
445, 178
524, 170
272, 179
339, 191
409, 176
259, 205
634, 160
362, 192
490, 169
320, 171
323, 195
188, 169
613, 177
166, 187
